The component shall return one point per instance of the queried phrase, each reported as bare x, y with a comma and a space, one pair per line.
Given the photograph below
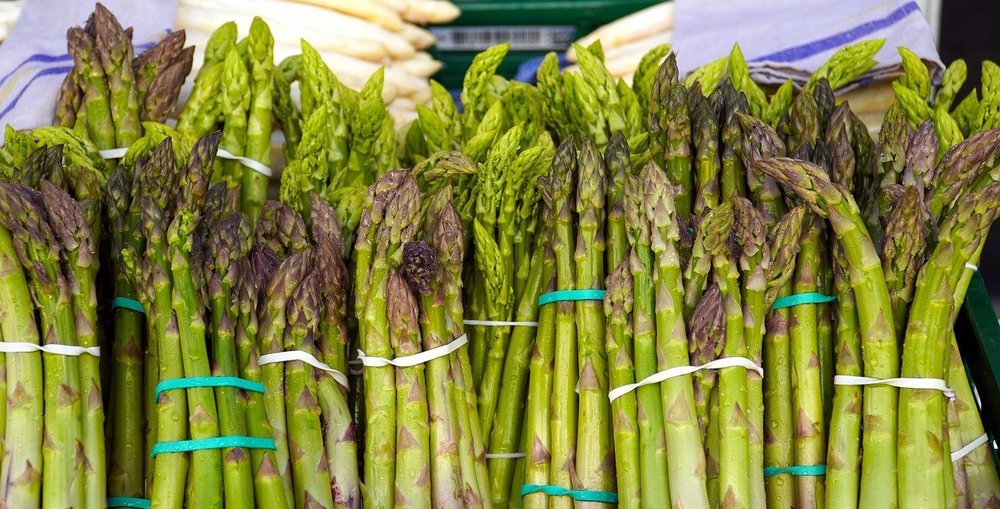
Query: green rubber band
127, 303
207, 381
213, 443
136, 503
606, 497
796, 470
565, 295
802, 298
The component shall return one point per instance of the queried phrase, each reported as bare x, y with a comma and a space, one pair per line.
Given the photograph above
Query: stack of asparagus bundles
53, 422
422, 439
112, 90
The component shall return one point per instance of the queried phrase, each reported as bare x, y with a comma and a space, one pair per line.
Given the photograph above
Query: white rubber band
67, 350
113, 153
963, 452
725, 362
934, 384
118, 153
971, 266
505, 455
306, 357
246, 161
499, 323
412, 360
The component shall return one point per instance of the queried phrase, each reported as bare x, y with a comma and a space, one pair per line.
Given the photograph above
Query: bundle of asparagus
301, 322
111, 90
49, 329
215, 294
423, 444
338, 143
234, 91
569, 443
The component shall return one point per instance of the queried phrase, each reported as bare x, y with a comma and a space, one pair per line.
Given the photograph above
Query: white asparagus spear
318, 19
421, 65
625, 59
397, 5
371, 11
199, 25
638, 25
419, 37
430, 11
408, 85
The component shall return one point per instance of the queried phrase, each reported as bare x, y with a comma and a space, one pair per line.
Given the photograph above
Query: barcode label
521, 38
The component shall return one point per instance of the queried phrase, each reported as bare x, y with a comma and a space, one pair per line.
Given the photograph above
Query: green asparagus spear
685, 455
20, 471
617, 307
563, 418
258, 143
413, 456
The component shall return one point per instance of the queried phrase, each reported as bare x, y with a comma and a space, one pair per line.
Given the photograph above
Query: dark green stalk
505, 437
127, 402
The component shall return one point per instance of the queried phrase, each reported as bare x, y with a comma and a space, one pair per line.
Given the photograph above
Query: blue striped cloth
34, 61
784, 39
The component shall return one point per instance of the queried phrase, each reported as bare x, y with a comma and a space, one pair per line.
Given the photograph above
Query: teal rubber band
207, 381
564, 295
213, 443
606, 497
136, 503
127, 303
796, 470
802, 298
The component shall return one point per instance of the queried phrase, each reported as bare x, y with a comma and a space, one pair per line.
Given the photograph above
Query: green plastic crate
532, 27
978, 334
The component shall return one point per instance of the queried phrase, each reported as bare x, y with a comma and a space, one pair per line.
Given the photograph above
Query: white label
521, 38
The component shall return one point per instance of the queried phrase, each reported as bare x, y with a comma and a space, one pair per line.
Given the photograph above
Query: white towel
34, 61
783, 39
